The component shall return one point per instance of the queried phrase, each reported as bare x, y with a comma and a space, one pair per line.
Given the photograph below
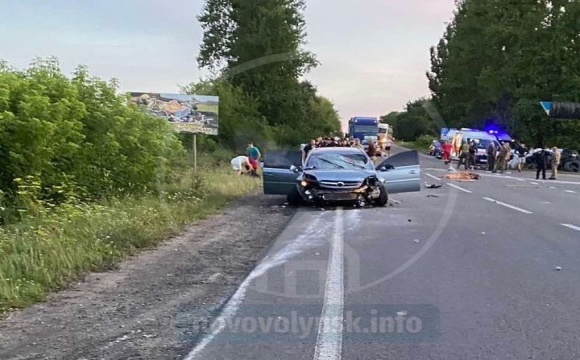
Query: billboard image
188, 113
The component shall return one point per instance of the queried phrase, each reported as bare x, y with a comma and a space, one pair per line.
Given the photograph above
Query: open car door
401, 172
278, 178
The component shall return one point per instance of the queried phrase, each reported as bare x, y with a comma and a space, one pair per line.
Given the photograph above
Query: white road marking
570, 191
534, 183
508, 205
280, 257
433, 177
512, 177
329, 341
573, 227
460, 188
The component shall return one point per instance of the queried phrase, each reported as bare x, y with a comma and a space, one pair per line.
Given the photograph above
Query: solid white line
433, 177
508, 205
534, 183
460, 188
329, 340
573, 227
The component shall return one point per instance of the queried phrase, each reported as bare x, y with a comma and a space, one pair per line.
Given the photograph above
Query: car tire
294, 198
573, 166
383, 198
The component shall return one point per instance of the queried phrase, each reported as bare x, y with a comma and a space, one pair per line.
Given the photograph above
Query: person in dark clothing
491, 155
472, 155
307, 149
541, 160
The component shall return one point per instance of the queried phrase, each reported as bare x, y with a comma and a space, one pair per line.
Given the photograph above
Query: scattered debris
409, 220
402, 313
322, 209
483, 233
433, 186
558, 268
395, 201
416, 241
432, 196
317, 254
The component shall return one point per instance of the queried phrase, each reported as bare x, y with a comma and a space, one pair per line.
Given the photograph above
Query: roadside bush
424, 141
78, 132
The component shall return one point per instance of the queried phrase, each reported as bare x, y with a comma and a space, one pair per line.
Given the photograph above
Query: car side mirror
386, 167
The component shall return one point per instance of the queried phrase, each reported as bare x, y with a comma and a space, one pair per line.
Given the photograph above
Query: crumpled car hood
340, 175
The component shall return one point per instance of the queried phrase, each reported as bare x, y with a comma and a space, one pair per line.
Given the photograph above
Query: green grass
44, 252
421, 144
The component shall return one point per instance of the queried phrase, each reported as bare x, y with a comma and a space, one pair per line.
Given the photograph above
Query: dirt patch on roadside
135, 312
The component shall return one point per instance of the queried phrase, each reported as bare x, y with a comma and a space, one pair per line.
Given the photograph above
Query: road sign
561, 110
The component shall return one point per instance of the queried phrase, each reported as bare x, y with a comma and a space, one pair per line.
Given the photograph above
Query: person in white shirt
241, 165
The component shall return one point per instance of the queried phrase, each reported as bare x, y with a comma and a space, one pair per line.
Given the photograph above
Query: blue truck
361, 127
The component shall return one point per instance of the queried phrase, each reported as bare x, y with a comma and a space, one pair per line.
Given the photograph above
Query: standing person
472, 155
501, 159
307, 149
372, 150
383, 143
464, 155
254, 156
447, 152
357, 144
388, 145
541, 163
491, 155
521, 152
556, 157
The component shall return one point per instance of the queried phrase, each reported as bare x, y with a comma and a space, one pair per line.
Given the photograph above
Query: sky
373, 54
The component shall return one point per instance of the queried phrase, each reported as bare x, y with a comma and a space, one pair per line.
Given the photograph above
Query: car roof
338, 149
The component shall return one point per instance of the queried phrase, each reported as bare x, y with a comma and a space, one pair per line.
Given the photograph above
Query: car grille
340, 184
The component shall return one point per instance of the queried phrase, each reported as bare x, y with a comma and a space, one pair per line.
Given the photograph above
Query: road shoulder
138, 311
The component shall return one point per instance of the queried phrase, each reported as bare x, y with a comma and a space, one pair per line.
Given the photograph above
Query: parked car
340, 175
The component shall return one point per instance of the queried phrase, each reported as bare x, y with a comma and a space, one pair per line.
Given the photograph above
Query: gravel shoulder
143, 309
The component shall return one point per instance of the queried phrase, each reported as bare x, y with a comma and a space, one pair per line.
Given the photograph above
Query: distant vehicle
340, 174
360, 127
481, 138
384, 129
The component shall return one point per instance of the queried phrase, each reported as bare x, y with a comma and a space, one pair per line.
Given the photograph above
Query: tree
498, 59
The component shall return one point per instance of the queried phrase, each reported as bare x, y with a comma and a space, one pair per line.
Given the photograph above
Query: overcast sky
373, 53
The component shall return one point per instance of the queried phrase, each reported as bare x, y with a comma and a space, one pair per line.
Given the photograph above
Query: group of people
380, 147
248, 164
499, 157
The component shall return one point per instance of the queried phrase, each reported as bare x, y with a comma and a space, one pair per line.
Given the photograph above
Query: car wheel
383, 198
573, 166
294, 198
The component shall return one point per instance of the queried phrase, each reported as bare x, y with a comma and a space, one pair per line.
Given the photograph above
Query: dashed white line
570, 226
508, 205
570, 191
433, 177
329, 340
460, 188
534, 183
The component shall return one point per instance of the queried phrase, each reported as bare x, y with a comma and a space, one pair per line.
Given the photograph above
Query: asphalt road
486, 269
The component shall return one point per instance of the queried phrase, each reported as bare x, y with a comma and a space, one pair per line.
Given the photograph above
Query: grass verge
45, 252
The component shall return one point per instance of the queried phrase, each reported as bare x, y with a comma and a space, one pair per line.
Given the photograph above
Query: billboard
188, 113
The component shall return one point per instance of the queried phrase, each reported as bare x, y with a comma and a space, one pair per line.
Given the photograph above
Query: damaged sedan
340, 175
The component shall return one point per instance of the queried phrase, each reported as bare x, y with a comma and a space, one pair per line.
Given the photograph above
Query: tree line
254, 50
497, 60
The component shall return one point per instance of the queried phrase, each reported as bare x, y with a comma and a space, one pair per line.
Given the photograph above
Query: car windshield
333, 161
